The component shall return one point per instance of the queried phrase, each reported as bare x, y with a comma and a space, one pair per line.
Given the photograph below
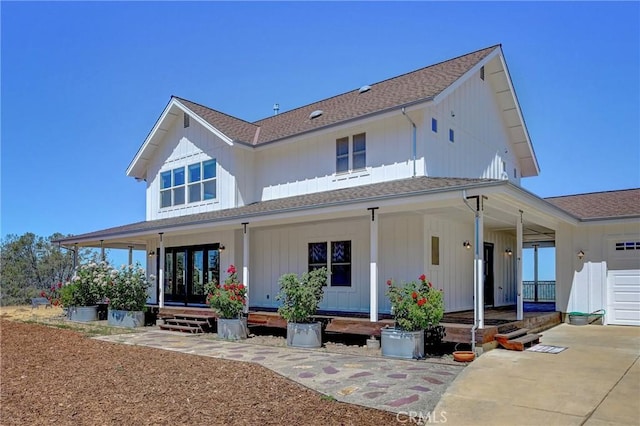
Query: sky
82, 84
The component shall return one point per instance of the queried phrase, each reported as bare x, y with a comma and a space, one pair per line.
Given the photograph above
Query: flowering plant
53, 295
88, 286
301, 296
227, 300
127, 288
415, 305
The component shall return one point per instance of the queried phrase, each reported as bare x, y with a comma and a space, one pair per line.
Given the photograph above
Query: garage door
624, 297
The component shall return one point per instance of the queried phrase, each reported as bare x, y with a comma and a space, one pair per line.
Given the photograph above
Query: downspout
475, 295
413, 145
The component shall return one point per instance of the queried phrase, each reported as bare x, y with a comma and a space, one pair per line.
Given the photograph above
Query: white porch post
102, 258
373, 267
479, 263
245, 262
161, 273
519, 287
130, 255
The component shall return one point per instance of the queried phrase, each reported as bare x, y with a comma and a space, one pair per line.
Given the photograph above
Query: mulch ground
54, 376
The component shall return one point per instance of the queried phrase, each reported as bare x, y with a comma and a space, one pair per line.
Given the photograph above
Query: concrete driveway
596, 381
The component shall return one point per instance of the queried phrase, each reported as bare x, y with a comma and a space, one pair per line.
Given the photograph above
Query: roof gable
600, 205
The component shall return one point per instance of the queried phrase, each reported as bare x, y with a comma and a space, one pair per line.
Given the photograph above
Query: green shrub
127, 289
301, 297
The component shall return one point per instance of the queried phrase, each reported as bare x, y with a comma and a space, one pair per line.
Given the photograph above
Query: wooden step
183, 328
520, 343
178, 321
503, 337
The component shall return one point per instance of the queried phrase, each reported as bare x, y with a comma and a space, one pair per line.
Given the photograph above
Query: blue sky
83, 83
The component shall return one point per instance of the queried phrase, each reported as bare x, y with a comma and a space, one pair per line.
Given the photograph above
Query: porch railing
544, 291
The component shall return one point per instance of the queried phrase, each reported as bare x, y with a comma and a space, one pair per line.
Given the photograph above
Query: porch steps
187, 323
517, 340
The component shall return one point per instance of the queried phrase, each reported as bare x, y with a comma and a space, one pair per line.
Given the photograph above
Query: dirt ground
55, 376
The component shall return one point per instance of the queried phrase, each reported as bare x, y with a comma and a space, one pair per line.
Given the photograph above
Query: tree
31, 263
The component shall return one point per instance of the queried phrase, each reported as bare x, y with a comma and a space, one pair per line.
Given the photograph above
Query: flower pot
304, 335
128, 319
464, 356
83, 313
402, 344
232, 328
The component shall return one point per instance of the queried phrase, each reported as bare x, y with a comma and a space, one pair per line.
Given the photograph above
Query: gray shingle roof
417, 86
398, 188
600, 205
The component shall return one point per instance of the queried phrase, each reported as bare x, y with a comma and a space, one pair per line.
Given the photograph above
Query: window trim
188, 184
329, 261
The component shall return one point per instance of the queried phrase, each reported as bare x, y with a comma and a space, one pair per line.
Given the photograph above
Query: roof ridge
215, 110
592, 193
377, 82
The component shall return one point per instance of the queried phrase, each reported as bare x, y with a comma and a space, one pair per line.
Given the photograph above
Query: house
416, 174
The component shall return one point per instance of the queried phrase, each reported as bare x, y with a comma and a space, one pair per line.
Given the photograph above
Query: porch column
130, 255
161, 273
245, 261
478, 281
535, 272
373, 267
75, 259
102, 258
519, 287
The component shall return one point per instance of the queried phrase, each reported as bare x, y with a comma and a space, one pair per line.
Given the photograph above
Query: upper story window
451, 136
434, 125
198, 185
351, 153
185, 120
336, 257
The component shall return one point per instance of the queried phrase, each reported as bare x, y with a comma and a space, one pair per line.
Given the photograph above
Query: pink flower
389, 282
231, 270
422, 277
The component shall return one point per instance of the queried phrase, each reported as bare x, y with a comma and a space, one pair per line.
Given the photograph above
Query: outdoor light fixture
580, 254
152, 253
466, 244
221, 247
509, 252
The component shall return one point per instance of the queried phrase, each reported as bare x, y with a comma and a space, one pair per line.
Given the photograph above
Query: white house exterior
385, 181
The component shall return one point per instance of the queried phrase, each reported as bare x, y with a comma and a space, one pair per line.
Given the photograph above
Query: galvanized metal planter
402, 344
128, 319
232, 328
304, 335
83, 313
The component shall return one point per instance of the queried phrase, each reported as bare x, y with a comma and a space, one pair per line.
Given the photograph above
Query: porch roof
373, 192
601, 205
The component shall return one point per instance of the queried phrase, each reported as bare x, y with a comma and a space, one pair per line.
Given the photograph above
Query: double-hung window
336, 257
172, 187
199, 184
351, 153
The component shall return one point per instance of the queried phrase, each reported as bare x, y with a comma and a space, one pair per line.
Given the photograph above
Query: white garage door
624, 297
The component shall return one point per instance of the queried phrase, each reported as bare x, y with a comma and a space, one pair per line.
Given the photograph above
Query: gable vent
315, 114
364, 89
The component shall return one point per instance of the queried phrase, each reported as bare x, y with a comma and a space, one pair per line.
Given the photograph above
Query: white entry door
623, 297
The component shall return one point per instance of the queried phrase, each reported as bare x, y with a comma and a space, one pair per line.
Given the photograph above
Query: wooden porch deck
457, 324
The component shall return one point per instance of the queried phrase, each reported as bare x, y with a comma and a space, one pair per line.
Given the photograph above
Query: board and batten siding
404, 254
481, 140
181, 147
308, 165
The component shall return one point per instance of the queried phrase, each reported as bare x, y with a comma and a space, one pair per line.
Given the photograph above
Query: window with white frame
199, 184
336, 257
351, 153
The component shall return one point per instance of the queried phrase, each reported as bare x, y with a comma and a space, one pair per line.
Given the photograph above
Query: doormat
547, 349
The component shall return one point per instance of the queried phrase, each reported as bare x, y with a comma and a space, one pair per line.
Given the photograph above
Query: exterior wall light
152, 253
580, 255
221, 247
466, 244
509, 252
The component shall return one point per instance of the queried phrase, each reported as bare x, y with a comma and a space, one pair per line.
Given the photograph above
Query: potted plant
81, 295
228, 301
127, 295
415, 307
300, 299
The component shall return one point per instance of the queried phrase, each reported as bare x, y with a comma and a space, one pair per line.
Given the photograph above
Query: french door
187, 270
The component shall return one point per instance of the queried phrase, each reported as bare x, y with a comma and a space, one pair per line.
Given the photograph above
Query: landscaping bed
56, 376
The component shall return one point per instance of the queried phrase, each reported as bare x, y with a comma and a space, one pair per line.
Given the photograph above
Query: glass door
195, 287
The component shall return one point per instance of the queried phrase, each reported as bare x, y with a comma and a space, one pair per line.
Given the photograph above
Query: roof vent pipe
276, 109
413, 144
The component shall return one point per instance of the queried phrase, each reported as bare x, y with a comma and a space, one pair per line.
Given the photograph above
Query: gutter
413, 144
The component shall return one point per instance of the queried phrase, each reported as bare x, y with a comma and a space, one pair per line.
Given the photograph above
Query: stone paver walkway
387, 384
